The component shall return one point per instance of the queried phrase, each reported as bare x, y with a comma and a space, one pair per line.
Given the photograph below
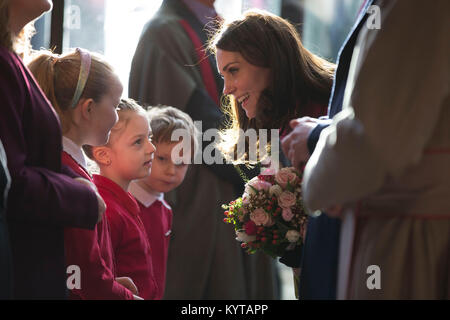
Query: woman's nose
228, 88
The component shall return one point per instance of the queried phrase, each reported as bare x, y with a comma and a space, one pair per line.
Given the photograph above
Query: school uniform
44, 198
156, 214
91, 250
130, 243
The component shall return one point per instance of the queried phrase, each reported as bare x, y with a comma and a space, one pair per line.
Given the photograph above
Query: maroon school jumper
156, 215
92, 251
129, 239
44, 198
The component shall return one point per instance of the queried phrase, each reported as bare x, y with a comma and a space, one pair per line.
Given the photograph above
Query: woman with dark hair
270, 79
269, 76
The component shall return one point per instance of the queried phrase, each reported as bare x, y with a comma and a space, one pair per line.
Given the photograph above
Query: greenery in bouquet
269, 216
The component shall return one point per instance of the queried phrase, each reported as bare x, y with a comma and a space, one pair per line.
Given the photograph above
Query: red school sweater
156, 215
92, 251
129, 239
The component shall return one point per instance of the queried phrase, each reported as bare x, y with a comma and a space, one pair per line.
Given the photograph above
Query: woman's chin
250, 115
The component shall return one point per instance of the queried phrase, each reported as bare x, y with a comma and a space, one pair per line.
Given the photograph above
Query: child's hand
129, 284
101, 203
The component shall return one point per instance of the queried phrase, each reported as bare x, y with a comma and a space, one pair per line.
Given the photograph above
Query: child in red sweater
165, 176
85, 91
127, 156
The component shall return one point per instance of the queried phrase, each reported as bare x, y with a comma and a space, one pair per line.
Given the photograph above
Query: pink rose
257, 184
284, 176
286, 199
287, 214
261, 218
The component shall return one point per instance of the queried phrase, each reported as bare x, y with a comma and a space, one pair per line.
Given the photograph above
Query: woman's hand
129, 284
101, 203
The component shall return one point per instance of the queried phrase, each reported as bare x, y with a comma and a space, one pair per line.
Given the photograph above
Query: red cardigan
92, 252
157, 219
129, 239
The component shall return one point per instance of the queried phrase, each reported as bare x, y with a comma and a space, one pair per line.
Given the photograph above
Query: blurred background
113, 28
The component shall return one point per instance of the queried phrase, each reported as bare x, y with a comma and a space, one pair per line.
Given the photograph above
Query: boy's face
165, 175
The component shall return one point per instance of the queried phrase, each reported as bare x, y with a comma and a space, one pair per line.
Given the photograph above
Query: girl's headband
85, 67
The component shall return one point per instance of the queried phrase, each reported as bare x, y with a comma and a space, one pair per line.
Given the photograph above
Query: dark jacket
44, 198
318, 277
5, 253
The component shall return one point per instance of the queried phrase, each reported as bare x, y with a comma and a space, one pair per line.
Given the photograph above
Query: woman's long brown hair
298, 77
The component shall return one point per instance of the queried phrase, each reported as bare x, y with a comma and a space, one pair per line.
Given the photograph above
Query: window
109, 27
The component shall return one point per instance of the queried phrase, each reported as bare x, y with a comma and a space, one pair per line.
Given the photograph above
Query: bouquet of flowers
269, 216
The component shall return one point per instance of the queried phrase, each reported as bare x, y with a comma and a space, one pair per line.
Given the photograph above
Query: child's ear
86, 106
102, 155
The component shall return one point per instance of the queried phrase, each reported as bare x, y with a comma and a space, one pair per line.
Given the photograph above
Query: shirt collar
143, 196
202, 12
74, 151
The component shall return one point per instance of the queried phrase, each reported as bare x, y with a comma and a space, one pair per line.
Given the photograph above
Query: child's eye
160, 158
233, 70
138, 141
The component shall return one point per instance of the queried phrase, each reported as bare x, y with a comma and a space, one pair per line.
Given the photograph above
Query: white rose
243, 237
275, 190
292, 236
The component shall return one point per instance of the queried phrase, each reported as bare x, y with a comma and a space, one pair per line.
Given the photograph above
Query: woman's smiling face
244, 81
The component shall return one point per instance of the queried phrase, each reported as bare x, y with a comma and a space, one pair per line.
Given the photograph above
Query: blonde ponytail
58, 77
